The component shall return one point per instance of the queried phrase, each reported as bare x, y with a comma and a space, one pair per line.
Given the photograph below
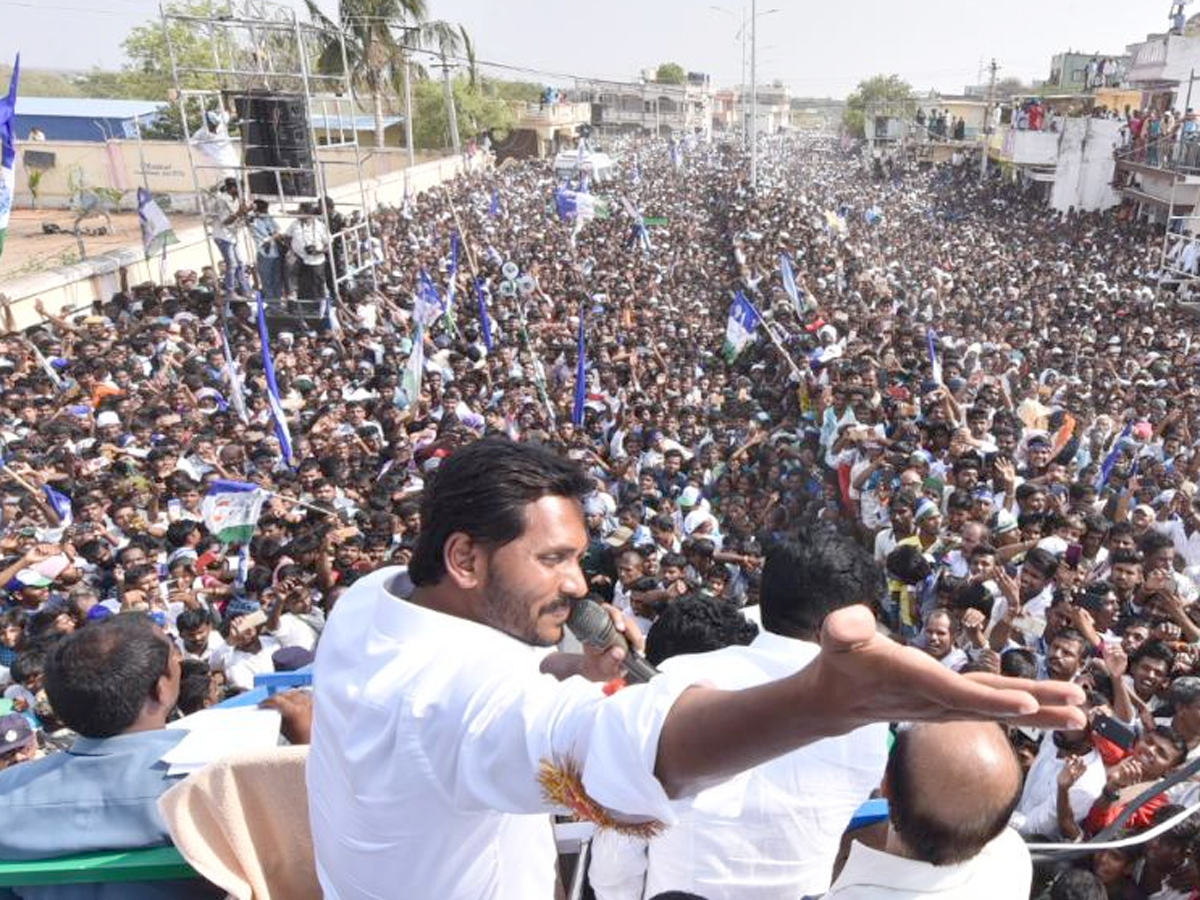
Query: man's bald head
951, 788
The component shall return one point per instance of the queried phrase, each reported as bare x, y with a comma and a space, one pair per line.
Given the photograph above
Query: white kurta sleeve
487, 738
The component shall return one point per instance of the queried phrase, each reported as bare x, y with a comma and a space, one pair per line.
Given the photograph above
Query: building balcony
551, 115
1164, 160
1025, 148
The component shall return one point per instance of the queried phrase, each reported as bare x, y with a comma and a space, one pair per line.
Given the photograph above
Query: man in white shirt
950, 789
771, 833
440, 744
1037, 812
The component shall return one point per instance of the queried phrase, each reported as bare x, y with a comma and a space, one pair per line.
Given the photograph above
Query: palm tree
375, 52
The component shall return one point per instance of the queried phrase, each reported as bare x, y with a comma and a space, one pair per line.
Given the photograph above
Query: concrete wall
118, 165
1083, 173
78, 285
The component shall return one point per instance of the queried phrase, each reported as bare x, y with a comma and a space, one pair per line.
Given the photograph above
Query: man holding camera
309, 239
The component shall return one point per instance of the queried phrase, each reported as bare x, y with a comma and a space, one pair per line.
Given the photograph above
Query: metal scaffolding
260, 51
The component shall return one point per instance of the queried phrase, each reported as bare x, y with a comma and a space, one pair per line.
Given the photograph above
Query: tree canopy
670, 73
873, 90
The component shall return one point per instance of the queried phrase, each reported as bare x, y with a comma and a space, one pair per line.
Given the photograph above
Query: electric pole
987, 121
753, 94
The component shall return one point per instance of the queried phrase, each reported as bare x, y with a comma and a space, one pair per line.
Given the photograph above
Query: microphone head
591, 624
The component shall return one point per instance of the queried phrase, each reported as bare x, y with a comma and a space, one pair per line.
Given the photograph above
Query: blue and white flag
236, 396
494, 206
574, 205
741, 327
1110, 461
935, 364
277, 414
485, 321
61, 505
580, 371
8, 150
414, 369
157, 233
676, 154
429, 305
231, 510
455, 243
641, 234
789, 284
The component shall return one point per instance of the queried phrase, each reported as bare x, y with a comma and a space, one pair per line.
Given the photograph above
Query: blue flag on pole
494, 206
580, 371
61, 504
789, 283
1110, 461
281, 426
455, 242
8, 150
429, 306
741, 326
935, 364
485, 321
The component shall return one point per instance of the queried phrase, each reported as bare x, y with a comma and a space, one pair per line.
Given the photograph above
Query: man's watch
1110, 794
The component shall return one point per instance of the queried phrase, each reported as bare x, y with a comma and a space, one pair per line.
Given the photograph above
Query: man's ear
463, 558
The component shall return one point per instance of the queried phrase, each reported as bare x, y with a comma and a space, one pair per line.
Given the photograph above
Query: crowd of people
989, 398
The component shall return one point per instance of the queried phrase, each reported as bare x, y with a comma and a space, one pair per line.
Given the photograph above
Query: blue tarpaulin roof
86, 107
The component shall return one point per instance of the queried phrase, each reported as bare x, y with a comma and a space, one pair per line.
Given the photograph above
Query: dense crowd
988, 396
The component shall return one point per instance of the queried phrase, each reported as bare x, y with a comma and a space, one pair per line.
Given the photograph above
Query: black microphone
592, 625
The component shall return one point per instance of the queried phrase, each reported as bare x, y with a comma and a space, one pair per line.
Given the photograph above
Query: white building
647, 105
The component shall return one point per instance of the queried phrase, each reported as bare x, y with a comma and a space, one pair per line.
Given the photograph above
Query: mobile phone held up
1117, 732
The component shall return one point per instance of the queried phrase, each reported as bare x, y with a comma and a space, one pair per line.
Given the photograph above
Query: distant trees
873, 90
670, 73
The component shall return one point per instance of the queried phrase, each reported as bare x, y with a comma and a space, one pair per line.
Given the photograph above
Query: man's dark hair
811, 574
697, 624
482, 490
929, 840
1152, 541
1018, 663
1042, 561
1077, 884
908, 565
1154, 650
191, 619
99, 677
194, 683
1124, 558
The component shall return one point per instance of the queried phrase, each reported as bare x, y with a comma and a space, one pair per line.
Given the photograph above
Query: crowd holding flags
8, 150
485, 321
231, 510
157, 234
741, 327
61, 504
935, 364
282, 432
580, 370
790, 286
428, 306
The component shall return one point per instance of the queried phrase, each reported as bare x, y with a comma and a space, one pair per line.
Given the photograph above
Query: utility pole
742, 93
753, 94
987, 121
451, 110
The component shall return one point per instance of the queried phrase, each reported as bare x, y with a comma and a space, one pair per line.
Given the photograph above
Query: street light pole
753, 94
742, 92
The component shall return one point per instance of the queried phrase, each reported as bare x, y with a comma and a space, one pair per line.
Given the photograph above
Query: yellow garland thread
562, 785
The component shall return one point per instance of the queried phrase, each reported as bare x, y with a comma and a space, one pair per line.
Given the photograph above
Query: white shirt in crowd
768, 834
1037, 811
1000, 871
428, 736
241, 666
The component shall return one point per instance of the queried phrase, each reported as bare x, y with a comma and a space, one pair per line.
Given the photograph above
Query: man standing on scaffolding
226, 223
310, 245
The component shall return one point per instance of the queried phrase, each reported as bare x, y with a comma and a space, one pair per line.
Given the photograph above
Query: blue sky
818, 48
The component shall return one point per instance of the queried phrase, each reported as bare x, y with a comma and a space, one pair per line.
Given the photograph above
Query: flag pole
796, 370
